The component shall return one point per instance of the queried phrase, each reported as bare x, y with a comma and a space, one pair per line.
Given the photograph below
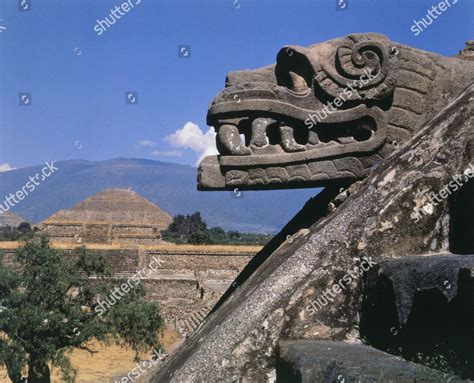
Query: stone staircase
189, 324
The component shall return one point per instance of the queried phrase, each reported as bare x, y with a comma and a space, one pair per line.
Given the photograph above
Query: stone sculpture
325, 113
396, 159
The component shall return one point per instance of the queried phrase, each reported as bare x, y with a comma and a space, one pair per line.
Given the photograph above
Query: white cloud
6, 167
169, 153
190, 136
145, 144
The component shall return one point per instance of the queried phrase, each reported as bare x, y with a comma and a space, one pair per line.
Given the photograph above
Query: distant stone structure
113, 216
188, 281
11, 219
468, 52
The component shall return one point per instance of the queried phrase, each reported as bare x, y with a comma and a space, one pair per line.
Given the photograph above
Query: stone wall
187, 281
100, 232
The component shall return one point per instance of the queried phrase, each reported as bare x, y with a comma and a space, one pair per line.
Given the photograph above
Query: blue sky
78, 79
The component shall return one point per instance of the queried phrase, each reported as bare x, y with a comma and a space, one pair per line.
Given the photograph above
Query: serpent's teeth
259, 131
346, 140
313, 138
288, 141
228, 141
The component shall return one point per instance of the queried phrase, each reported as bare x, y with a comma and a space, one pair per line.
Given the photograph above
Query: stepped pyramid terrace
113, 216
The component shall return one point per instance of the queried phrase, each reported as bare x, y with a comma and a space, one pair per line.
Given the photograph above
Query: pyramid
110, 216
11, 219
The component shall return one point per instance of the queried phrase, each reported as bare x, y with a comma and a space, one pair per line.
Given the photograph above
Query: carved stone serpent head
326, 113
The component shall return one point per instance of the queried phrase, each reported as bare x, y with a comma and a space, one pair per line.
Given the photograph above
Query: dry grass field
110, 361
165, 246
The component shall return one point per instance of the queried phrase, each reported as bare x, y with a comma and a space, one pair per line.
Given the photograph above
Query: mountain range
170, 186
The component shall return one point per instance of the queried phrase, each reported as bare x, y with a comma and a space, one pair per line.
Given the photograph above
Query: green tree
48, 307
25, 227
192, 229
200, 238
187, 225
234, 235
184, 226
22, 232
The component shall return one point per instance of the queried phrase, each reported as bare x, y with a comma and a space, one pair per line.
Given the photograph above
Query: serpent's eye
294, 71
297, 83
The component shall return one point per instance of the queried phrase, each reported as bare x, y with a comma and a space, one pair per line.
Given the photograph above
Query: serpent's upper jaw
288, 123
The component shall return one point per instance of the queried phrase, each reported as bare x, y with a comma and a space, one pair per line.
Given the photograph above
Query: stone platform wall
102, 232
187, 281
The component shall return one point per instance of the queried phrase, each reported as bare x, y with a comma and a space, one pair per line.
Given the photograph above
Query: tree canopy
192, 229
22, 232
48, 306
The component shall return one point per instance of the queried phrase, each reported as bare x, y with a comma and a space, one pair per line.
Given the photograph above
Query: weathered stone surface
305, 361
416, 274
113, 216
275, 298
423, 307
350, 101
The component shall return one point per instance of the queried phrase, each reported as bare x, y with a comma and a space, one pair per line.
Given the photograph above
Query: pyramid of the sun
113, 216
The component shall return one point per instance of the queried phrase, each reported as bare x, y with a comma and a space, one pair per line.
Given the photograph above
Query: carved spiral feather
371, 60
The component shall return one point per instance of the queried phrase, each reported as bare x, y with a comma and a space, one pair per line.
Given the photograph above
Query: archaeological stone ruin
187, 281
113, 216
372, 280
124, 228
